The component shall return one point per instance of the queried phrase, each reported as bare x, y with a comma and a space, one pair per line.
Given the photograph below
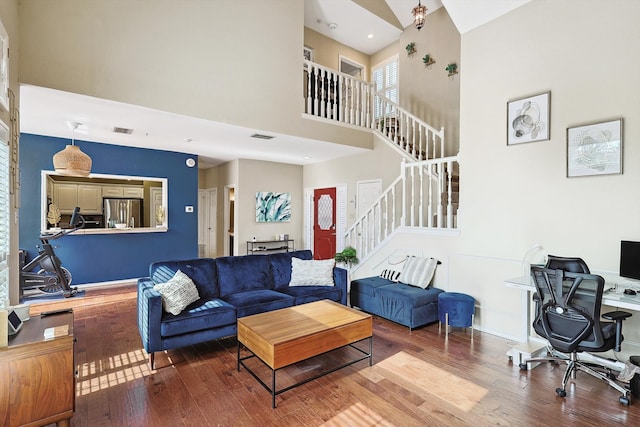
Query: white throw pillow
312, 272
177, 293
418, 271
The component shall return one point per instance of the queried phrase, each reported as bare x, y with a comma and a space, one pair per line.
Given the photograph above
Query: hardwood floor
418, 378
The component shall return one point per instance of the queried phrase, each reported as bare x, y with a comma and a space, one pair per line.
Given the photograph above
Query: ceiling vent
261, 136
122, 130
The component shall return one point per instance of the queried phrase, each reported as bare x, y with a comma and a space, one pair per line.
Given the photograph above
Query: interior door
324, 223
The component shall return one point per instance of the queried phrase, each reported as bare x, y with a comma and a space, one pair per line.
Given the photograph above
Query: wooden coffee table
283, 337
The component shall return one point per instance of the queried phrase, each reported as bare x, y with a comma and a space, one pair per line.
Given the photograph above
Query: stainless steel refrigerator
121, 213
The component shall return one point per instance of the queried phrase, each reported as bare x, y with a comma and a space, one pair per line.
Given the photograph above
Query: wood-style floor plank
419, 378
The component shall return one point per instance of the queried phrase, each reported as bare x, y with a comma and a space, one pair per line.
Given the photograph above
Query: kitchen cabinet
133, 192
112, 191
87, 196
90, 199
126, 191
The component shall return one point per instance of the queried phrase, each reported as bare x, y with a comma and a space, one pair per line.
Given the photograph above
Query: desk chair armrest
618, 317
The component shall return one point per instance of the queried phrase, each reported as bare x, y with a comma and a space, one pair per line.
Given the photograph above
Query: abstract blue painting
273, 207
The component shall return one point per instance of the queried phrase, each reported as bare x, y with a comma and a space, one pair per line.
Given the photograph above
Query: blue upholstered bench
404, 304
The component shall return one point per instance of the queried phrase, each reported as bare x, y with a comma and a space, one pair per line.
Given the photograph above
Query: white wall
512, 197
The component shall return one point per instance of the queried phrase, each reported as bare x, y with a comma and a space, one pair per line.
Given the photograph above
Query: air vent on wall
122, 130
261, 136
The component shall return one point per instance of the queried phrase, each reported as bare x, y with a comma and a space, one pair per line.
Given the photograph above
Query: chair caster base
523, 367
561, 392
624, 400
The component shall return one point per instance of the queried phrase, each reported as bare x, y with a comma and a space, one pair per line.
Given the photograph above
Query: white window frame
387, 87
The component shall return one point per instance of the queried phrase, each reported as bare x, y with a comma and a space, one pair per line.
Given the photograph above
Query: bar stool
456, 309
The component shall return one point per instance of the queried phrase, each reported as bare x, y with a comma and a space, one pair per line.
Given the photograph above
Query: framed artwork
308, 53
595, 149
273, 207
528, 119
4, 68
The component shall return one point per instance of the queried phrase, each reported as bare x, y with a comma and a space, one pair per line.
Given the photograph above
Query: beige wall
9, 17
513, 197
428, 92
327, 52
255, 176
210, 60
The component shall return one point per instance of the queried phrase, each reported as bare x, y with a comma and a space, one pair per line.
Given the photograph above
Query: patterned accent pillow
418, 271
177, 293
392, 275
312, 272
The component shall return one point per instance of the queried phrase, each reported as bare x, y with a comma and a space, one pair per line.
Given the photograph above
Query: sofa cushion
409, 296
202, 272
305, 294
281, 266
418, 271
369, 285
243, 273
312, 272
210, 314
177, 293
258, 301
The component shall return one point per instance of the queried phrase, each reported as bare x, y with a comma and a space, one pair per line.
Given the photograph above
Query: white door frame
341, 216
207, 222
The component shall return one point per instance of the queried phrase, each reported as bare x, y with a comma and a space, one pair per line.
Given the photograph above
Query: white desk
535, 345
615, 298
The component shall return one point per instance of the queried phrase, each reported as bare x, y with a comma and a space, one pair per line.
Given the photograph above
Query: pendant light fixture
419, 15
72, 161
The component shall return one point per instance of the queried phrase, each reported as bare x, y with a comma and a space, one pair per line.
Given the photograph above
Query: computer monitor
630, 259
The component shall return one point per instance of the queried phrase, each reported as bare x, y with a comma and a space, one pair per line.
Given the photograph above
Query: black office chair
572, 264
569, 318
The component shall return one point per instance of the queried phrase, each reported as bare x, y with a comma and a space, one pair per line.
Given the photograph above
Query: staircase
425, 194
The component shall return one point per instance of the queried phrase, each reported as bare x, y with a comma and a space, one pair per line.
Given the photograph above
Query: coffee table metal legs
274, 391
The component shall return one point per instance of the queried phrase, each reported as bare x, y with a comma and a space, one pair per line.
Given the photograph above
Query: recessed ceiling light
333, 26
369, 36
306, 157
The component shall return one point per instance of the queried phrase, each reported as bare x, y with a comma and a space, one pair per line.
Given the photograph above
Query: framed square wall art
273, 207
528, 119
595, 149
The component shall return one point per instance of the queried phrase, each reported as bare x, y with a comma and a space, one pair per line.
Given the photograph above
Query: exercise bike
52, 277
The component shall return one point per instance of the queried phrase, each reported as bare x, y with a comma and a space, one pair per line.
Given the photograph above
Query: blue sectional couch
229, 288
401, 303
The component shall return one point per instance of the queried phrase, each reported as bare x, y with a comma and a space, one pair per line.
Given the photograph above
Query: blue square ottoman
456, 309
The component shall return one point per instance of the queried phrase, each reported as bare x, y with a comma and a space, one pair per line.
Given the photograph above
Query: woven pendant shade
72, 161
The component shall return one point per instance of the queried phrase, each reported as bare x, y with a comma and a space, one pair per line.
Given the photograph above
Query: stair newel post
403, 172
421, 201
449, 195
441, 142
430, 195
357, 102
377, 224
440, 190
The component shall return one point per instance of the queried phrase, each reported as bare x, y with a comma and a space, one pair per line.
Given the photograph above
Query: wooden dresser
37, 377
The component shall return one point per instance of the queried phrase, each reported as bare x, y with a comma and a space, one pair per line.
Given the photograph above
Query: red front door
324, 227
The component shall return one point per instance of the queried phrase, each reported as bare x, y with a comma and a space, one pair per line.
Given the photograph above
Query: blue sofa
229, 288
401, 303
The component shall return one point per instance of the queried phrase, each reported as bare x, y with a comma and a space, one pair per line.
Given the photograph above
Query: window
4, 214
385, 78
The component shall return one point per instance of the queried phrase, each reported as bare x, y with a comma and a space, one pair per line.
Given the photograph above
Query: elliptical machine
52, 277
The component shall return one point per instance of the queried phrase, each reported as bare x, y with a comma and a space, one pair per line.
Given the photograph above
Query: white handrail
420, 204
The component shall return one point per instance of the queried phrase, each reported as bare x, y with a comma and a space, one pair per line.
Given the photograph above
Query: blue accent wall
107, 257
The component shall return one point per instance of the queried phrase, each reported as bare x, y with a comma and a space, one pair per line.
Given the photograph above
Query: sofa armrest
149, 315
340, 280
